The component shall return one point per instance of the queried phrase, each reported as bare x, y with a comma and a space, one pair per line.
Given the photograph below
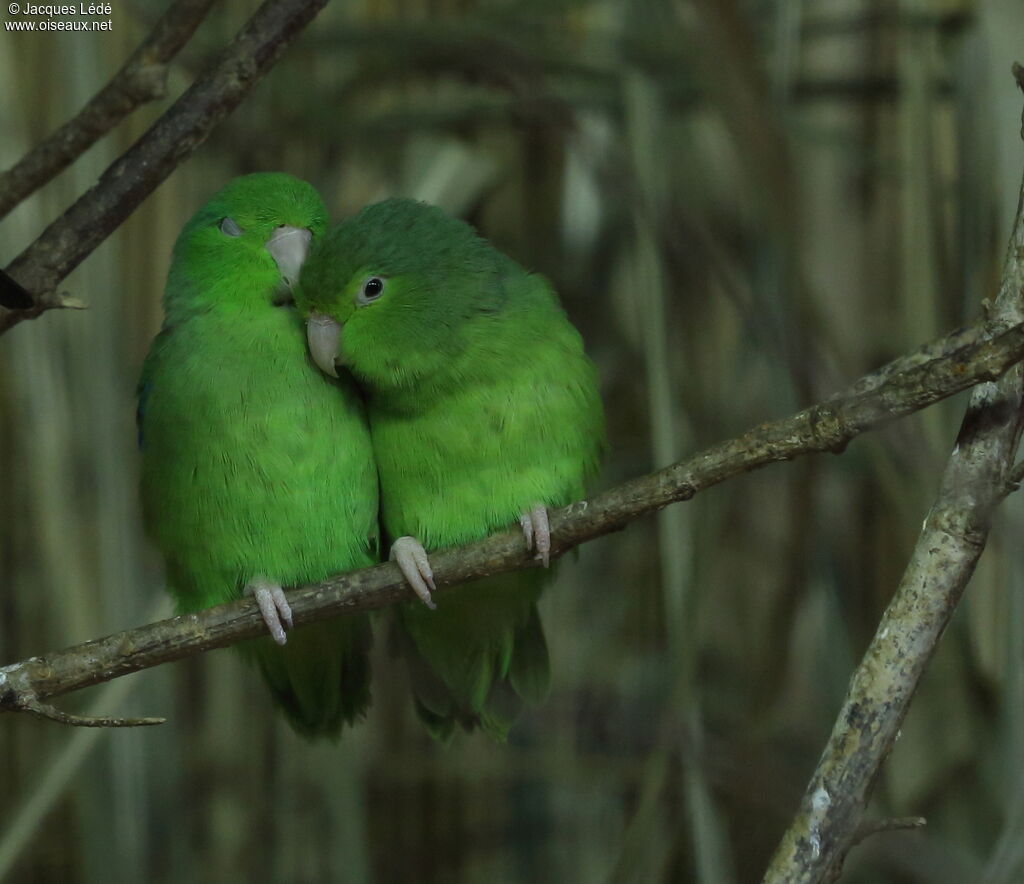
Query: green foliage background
743, 205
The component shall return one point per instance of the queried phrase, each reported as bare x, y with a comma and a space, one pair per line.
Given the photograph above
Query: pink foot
410, 556
537, 532
274, 607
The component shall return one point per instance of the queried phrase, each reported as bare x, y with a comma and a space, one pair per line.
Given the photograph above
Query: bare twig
951, 541
143, 78
981, 352
1014, 478
893, 824
184, 126
26, 702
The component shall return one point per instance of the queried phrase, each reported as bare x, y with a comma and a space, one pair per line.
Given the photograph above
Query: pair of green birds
454, 399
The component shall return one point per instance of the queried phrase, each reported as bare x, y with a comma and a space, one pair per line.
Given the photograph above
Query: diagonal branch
143, 78
12, 294
951, 542
179, 131
962, 359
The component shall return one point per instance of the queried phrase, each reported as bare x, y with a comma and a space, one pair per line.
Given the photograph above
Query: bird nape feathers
483, 410
257, 470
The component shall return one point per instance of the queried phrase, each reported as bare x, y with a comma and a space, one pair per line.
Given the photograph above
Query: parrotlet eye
372, 289
229, 228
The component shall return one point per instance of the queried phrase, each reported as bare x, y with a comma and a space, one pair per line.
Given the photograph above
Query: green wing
256, 464
523, 424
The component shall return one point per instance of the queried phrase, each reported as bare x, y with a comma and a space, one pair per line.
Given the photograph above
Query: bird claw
537, 532
274, 607
410, 556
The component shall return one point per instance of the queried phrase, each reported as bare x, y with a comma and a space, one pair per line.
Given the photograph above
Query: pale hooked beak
288, 246
324, 337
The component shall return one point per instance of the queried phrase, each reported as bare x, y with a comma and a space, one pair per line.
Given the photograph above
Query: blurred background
744, 206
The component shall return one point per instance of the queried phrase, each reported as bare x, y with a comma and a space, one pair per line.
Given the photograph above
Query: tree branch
947, 551
983, 351
179, 131
12, 294
143, 78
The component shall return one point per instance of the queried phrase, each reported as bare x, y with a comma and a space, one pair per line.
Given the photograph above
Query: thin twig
143, 78
179, 131
1014, 478
892, 824
27, 702
952, 539
981, 352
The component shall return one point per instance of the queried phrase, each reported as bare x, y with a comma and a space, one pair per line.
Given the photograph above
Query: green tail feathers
479, 658
321, 678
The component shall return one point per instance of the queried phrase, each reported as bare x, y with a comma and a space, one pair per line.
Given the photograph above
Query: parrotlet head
244, 249
388, 292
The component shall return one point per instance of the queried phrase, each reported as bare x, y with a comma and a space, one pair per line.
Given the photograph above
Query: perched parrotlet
484, 411
257, 469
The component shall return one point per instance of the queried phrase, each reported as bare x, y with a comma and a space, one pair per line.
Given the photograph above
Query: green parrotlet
484, 411
257, 469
